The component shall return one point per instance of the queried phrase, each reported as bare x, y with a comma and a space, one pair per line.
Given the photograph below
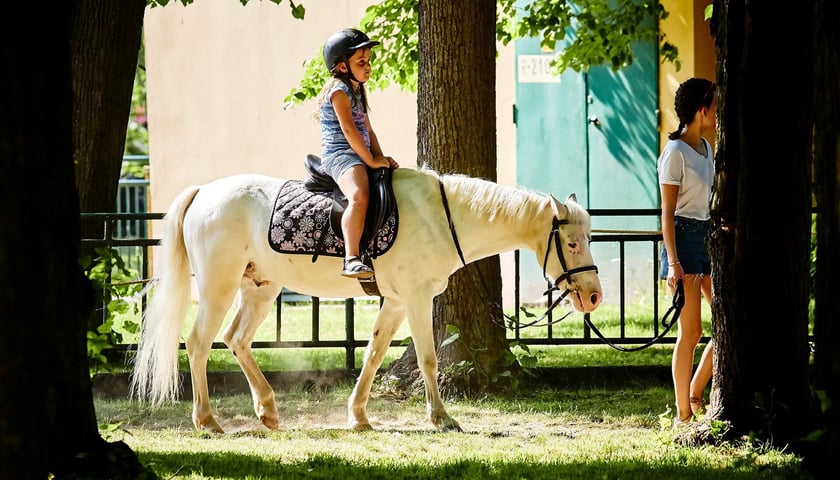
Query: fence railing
142, 248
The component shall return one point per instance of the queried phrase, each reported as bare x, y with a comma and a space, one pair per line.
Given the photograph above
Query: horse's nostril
595, 298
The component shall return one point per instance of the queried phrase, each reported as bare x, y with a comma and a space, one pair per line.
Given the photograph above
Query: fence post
350, 331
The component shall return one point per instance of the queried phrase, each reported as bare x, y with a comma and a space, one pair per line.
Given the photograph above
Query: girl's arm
669, 206
341, 103
375, 149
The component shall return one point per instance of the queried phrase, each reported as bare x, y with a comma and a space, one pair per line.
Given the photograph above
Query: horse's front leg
255, 302
420, 321
388, 321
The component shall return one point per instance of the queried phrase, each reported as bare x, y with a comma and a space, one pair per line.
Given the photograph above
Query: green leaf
709, 11
449, 340
452, 329
298, 11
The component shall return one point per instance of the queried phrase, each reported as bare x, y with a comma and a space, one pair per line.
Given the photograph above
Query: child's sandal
354, 268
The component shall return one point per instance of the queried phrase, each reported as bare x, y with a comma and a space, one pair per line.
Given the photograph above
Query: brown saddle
381, 204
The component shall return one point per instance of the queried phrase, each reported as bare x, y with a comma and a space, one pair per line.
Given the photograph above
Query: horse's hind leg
388, 321
256, 298
420, 321
213, 306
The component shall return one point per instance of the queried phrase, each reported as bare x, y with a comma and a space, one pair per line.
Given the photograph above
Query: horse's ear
572, 198
560, 210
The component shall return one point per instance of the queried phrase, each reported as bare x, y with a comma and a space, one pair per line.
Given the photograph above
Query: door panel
593, 134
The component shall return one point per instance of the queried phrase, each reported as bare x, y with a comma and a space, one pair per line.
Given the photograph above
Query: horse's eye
573, 245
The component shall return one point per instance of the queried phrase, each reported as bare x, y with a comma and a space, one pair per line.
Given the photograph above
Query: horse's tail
155, 375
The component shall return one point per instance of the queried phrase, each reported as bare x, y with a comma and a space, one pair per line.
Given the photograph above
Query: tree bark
457, 133
761, 220
106, 39
826, 44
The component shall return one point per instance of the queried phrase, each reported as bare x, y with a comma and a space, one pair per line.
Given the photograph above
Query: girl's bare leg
704, 368
354, 186
688, 335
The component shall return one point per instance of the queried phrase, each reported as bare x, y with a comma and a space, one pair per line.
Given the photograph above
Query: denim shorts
335, 165
691, 247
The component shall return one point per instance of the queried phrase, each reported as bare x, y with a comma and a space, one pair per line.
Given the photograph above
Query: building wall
685, 28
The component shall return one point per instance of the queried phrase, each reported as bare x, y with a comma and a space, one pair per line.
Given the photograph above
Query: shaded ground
222, 383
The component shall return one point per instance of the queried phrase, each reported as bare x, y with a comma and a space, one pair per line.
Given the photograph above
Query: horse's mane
494, 200
490, 199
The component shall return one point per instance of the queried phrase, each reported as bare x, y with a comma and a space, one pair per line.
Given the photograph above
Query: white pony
219, 233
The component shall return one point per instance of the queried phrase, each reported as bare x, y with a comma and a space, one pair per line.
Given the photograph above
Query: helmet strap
350, 71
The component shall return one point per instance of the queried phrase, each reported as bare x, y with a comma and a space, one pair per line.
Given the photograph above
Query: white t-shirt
681, 165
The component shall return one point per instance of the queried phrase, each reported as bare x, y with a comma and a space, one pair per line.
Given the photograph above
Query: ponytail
675, 135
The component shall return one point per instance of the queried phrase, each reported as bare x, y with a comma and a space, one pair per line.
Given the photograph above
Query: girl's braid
691, 95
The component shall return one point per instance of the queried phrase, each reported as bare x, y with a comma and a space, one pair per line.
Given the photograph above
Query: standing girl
348, 144
686, 172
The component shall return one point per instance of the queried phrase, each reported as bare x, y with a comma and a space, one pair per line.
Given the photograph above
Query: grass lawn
613, 431
616, 427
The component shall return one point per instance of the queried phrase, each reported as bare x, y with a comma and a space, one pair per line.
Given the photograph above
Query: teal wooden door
593, 134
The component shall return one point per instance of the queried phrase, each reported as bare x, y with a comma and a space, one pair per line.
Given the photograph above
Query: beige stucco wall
685, 28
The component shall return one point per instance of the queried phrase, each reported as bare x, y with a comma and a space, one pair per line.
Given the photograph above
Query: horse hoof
449, 425
272, 423
361, 427
213, 428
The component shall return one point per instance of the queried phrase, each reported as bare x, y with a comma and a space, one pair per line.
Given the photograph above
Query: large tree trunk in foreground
48, 419
457, 133
826, 42
761, 220
105, 44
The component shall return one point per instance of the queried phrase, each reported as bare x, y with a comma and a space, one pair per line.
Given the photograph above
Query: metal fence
139, 249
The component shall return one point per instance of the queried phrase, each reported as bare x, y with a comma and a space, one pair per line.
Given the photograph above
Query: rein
451, 225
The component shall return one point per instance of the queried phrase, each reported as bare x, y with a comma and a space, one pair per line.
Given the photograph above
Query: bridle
567, 275
553, 237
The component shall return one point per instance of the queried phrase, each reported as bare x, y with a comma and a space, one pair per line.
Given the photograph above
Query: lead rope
675, 308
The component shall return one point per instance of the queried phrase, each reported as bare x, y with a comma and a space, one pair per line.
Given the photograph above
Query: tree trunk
826, 41
457, 133
761, 220
106, 40
49, 422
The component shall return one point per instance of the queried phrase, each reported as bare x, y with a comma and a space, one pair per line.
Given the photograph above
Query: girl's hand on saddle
383, 161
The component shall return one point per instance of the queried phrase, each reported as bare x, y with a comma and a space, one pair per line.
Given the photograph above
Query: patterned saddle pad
300, 224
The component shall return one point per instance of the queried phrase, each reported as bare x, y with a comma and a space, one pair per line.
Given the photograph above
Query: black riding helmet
343, 43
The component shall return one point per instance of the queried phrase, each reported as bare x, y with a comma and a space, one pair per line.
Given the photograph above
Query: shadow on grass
232, 465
